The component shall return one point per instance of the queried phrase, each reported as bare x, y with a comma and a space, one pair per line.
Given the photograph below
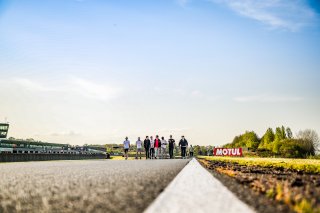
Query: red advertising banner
227, 152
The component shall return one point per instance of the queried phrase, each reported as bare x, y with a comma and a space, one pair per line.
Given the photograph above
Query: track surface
194, 189
85, 185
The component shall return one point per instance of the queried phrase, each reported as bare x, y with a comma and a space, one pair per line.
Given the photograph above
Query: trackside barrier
9, 157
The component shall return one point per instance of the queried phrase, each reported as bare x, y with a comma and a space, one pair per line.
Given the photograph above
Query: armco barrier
9, 157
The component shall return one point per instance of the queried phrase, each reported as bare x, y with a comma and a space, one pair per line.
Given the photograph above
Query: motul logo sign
227, 152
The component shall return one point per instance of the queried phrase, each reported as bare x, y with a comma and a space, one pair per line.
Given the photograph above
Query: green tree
280, 134
283, 132
267, 139
203, 150
196, 150
276, 146
236, 140
251, 140
289, 133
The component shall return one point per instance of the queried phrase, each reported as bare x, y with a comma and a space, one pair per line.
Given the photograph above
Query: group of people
157, 148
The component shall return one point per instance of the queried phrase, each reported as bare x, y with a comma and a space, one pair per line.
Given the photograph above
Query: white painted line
194, 189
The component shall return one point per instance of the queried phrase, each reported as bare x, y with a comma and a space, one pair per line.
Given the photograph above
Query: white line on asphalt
194, 189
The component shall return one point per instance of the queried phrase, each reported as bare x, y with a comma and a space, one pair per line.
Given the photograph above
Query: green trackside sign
4, 127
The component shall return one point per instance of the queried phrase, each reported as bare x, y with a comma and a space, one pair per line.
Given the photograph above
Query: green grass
306, 165
121, 158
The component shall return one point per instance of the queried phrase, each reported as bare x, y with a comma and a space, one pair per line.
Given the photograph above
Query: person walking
126, 147
183, 145
171, 146
139, 147
157, 147
146, 145
163, 148
151, 147
191, 151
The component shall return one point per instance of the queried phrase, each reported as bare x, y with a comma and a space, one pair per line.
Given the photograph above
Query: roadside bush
314, 157
250, 154
263, 152
292, 148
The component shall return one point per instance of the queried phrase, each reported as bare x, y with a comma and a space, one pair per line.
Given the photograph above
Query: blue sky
93, 71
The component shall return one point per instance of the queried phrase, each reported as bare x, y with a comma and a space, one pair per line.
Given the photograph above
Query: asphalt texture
84, 185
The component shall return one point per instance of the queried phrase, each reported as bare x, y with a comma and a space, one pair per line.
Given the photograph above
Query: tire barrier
9, 157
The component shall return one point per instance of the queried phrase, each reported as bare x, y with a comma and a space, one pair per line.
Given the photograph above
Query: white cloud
185, 93
197, 94
183, 3
32, 85
281, 14
94, 90
176, 91
267, 99
171, 91
73, 85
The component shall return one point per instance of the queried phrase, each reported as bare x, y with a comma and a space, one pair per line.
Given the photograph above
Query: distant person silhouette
191, 151
163, 148
171, 146
183, 145
157, 147
139, 147
126, 147
146, 144
151, 147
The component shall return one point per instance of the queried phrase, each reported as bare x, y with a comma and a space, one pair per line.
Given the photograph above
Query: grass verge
305, 165
292, 182
121, 158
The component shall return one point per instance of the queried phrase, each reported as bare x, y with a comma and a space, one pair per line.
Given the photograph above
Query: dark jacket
146, 143
183, 143
171, 143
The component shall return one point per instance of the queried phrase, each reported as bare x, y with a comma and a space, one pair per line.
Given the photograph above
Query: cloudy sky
94, 71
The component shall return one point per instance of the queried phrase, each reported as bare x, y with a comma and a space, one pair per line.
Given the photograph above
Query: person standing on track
163, 148
151, 147
191, 151
146, 145
157, 147
183, 145
171, 146
139, 147
126, 147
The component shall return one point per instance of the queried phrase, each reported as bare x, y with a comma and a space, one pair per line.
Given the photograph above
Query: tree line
280, 143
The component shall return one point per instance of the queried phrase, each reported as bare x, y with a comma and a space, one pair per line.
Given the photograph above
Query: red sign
227, 152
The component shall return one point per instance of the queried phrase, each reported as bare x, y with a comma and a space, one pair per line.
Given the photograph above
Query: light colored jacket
126, 144
139, 144
152, 143
164, 144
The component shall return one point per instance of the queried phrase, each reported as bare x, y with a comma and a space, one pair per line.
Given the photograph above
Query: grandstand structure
19, 146
4, 128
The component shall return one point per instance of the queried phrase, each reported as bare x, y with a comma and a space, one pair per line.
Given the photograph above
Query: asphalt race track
84, 185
